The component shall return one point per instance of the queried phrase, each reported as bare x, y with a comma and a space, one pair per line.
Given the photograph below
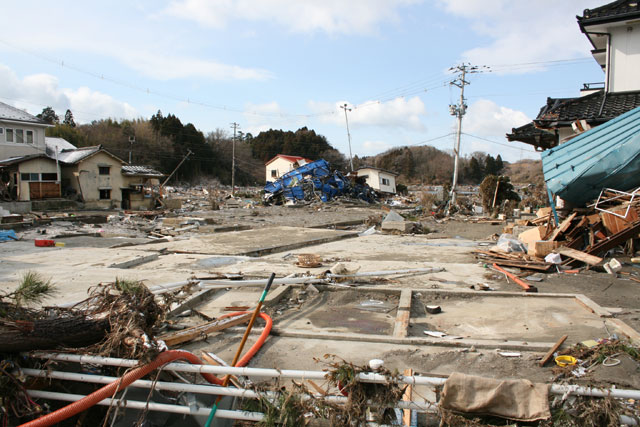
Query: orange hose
120, 384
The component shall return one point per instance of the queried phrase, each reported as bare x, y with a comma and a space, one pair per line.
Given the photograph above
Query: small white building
379, 179
281, 164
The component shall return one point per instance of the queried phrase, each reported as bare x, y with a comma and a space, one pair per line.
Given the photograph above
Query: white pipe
200, 388
163, 407
313, 375
389, 272
262, 282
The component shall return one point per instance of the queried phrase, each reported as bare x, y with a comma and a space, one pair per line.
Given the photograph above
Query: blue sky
285, 64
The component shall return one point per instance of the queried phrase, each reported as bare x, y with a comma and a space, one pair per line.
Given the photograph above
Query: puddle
218, 261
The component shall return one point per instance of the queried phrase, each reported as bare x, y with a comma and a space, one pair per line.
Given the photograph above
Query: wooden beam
201, 331
407, 397
404, 312
578, 255
564, 225
552, 350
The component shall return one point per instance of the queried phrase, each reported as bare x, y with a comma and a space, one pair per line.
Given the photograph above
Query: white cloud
522, 32
371, 148
397, 113
168, 67
302, 16
487, 119
44, 90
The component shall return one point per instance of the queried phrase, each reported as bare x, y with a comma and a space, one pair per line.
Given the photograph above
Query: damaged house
614, 32
281, 164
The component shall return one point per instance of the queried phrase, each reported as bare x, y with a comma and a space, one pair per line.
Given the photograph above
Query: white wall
15, 149
625, 58
281, 166
374, 180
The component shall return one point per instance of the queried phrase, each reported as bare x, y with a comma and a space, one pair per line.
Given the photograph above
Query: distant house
141, 187
21, 134
30, 177
614, 33
378, 179
95, 174
281, 164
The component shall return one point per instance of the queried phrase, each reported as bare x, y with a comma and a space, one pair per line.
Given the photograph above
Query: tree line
162, 141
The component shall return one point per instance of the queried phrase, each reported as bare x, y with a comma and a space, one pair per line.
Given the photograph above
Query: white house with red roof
281, 164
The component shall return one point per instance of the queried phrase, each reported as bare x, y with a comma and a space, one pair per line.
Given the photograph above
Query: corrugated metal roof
605, 156
12, 113
74, 156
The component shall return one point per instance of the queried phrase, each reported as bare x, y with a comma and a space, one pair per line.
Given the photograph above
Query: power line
498, 143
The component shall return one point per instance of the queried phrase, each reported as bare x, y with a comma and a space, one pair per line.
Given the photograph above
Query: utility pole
235, 126
132, 140
344, 107
189, 152
459, 111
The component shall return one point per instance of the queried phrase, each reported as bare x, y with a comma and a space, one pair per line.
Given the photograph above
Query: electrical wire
498, 143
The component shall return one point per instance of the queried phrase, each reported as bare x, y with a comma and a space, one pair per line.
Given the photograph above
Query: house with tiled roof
281, 164
614, 32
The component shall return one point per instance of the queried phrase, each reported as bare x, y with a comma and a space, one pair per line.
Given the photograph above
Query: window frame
101, 170
274, 173
19, 134
30, 177
9, 131
104, 192
30, 133
385, 181
53, 175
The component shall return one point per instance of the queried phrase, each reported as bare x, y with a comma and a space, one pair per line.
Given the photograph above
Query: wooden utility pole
235, 126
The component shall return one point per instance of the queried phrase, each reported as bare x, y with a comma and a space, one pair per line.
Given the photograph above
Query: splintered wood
201, 331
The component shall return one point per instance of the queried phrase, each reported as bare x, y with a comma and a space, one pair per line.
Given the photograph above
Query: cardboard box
542, 248
532, 235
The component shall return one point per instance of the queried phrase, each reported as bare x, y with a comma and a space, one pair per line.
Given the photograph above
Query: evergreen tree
49, 116
68, 119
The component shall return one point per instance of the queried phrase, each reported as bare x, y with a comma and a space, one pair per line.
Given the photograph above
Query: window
29, 137
105, 194
104, 170
385, 181
9, 135
30, 177
1, 131
49, 177
274, 173
20, 136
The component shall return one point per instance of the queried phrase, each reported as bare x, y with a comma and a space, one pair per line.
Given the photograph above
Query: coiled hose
123, 382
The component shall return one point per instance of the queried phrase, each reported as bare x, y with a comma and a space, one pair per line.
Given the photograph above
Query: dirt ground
306, 321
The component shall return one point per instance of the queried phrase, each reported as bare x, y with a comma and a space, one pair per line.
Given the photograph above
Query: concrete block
172, 203
403, 226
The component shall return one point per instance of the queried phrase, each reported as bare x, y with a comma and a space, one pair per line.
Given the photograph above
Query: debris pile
315, 181
583, 237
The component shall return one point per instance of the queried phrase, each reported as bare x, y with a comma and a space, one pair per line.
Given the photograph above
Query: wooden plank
201, 331
552, 350
564, 226
407, 397
207, 357
579, 255
404, 312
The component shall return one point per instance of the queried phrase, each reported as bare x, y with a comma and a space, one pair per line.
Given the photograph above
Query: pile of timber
582, 237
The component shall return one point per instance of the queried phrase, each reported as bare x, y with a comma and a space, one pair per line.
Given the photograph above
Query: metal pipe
314, 375
200, 388
162, 407
389, 272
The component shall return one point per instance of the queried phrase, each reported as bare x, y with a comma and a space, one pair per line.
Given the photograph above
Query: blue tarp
607, 156
7, 235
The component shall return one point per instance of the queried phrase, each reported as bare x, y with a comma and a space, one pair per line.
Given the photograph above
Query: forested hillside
162, 142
